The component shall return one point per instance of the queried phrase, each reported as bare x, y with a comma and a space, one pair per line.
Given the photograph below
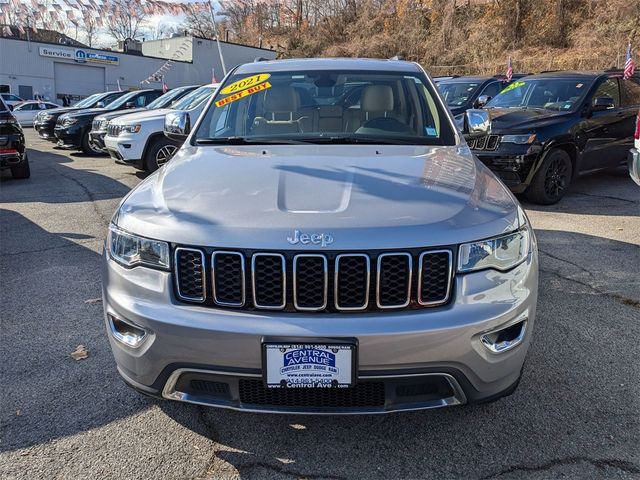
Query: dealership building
54, 70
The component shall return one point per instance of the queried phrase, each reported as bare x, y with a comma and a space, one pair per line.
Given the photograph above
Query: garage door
80, 80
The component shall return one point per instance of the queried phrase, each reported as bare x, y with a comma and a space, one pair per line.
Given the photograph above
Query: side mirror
129, 105
602, 103
476, 123
100, 105
481, 101
177, 126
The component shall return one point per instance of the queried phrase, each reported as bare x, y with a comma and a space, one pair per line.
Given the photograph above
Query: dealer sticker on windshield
242, 94
308, 365
245, 83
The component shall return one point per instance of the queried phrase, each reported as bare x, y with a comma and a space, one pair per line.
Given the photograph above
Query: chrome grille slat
488, 142
190, 274
228, 280
359, 278
431, 264
307, 297
393, 279
268, 280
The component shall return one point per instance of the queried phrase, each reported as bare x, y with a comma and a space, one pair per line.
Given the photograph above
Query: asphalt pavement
576, 413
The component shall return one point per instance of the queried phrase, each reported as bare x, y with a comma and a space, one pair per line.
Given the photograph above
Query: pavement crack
282, 470
578, 266
87, 192
601, 464
632, 302
610, 197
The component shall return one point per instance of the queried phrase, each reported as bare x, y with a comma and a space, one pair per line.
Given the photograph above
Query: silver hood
364, 196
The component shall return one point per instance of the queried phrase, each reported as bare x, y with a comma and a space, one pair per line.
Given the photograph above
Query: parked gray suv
323, 242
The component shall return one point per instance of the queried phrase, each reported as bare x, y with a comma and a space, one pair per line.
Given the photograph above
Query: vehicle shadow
606, 192
556, 417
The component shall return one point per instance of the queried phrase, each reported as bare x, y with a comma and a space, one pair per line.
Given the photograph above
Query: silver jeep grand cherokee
323, 242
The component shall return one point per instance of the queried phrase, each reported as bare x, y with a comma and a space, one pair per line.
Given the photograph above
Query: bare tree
126, 19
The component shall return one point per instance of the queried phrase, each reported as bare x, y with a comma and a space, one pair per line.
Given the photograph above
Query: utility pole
215, 28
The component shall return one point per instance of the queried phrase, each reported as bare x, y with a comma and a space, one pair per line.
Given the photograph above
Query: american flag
165, 87
213, 76
509, 70
629, 66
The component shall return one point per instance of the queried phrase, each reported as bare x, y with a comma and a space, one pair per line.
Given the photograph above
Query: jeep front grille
304, 281
113, 130
488, 142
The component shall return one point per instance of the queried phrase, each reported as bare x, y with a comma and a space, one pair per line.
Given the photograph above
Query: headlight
130, 128
519, 139
69, 121
131, 250
500, 253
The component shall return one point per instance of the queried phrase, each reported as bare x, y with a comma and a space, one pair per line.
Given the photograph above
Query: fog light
125, 332
505, 339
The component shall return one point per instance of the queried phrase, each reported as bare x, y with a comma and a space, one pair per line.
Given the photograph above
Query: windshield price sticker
309, 366
244, 83
513, 86
243, 94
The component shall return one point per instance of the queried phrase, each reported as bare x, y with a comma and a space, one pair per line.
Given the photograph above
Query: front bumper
633, 161
70, 137
419, 350
45, 129
96, 138
124, 149
513, 164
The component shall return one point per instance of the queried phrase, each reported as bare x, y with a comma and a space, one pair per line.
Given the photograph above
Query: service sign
79, 55
309, 365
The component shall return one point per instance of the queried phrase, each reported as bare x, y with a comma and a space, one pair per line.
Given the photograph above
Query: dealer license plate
309, 365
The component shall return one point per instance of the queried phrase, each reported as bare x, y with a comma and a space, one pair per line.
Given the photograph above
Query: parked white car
11, 100
25, 112
138, 138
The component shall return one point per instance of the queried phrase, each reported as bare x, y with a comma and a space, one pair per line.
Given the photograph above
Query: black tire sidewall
86, 147
536, 192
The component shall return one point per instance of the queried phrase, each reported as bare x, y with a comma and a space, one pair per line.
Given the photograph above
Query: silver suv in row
323, 242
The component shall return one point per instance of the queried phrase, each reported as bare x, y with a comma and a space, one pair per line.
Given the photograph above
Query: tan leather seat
376, 101
280, 106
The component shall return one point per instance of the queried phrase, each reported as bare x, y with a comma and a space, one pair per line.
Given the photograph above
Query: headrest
281, 99
377, 98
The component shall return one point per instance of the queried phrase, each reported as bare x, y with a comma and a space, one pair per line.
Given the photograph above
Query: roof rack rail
397, 57
260, 59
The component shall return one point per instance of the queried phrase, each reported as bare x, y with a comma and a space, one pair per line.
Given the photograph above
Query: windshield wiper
248, 141
362, 140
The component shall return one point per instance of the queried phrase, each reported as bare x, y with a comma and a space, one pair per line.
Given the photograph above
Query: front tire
22, 170
87, 147
552, 179
159, 153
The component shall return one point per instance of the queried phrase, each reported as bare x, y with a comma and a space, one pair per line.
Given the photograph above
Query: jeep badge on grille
322, 239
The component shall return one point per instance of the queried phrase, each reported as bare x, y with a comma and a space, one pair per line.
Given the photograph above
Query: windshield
326, 106
195, 98
87, 102
166, 99
120, 101
547, 93
456, 94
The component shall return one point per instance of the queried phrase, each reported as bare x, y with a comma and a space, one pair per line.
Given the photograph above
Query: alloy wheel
164, 154
555, 179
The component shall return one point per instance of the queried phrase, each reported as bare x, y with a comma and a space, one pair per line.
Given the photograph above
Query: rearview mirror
602, 103
177, 126
481, 101
100, 105
476, 123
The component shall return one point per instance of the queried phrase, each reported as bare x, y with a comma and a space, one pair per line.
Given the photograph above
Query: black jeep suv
45, 122
13, 153
463, 93
72, 129
545, 129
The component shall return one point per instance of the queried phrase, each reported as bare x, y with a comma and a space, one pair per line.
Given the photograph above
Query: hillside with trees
446, 36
